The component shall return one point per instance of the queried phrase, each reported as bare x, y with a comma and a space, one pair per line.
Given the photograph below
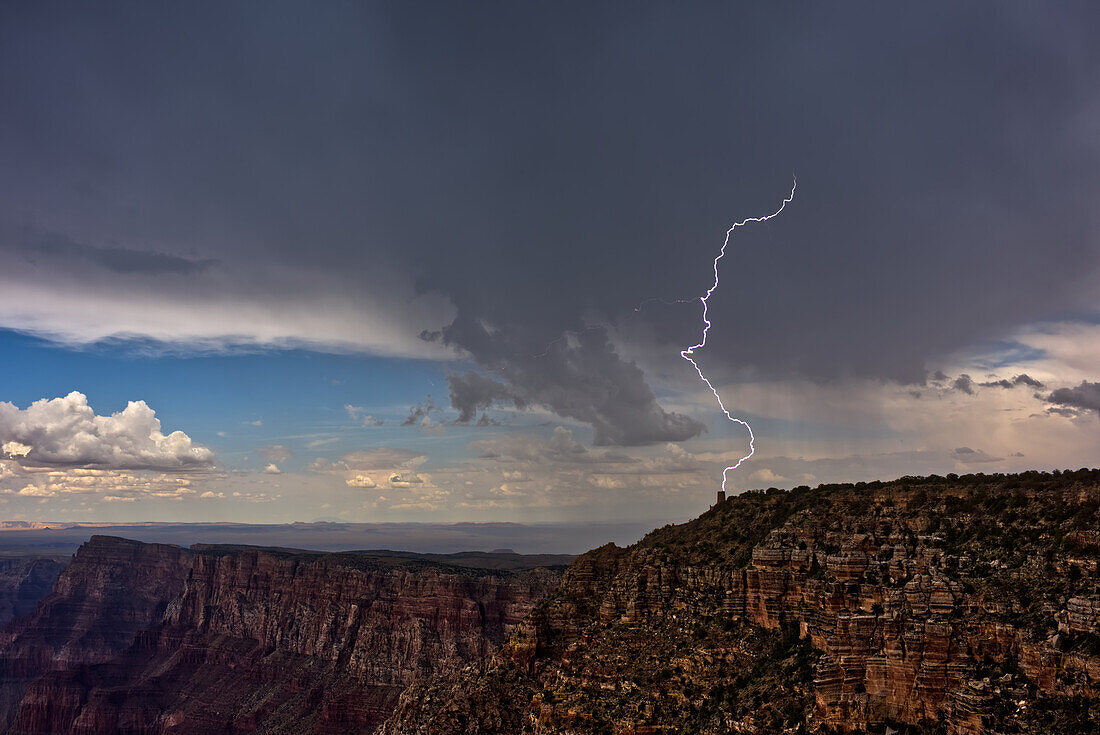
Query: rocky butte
950, 605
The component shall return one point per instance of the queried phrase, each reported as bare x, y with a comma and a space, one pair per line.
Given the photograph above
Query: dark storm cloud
36, 245
918, 138
471, 392
972, 456
964, 383
1084, 397
1021, 379
580, 377
538, 163
420, 411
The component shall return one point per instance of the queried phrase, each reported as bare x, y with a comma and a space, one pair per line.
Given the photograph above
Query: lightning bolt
688, 353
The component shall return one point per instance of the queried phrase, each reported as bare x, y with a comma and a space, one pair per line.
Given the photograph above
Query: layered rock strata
147, 638
954, 605
24, 580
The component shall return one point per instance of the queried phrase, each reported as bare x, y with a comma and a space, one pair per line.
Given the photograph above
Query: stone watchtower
721, 497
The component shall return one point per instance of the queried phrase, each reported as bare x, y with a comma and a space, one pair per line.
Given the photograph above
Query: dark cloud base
580, 376
1084, 397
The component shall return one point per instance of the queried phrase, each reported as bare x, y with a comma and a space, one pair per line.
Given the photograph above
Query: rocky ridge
959, 605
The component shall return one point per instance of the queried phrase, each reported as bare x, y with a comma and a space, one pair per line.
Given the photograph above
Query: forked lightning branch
688, 353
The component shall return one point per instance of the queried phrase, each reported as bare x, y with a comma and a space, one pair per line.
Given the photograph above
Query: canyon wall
24, 580
960, 606
940, 605
149, 638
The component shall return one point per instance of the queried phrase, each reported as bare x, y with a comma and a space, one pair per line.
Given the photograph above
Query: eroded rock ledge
952, 605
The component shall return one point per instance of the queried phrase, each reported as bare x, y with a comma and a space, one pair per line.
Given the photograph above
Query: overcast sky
436, 262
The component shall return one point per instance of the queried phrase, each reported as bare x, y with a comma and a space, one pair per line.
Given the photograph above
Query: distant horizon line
11, 525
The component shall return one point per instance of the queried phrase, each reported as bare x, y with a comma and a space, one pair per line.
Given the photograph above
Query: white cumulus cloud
67, 432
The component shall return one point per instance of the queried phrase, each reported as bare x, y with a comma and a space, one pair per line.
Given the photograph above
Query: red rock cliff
953, 605
144, 638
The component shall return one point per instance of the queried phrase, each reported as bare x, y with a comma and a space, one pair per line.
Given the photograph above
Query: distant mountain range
54, 538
